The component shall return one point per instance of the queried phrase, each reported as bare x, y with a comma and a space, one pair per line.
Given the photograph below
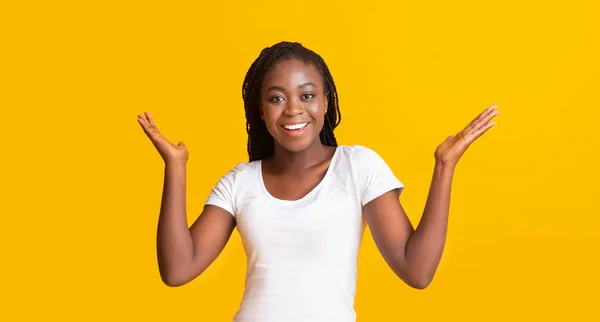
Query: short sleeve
222, 193
372, 174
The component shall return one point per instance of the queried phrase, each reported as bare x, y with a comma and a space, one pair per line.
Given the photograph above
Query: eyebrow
281, 89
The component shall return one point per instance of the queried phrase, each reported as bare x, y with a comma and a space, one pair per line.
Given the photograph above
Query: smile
294, 127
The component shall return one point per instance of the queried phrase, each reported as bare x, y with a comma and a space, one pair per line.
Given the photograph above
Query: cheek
317, 109
270, 119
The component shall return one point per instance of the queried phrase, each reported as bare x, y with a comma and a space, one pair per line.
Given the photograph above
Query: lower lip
295, 133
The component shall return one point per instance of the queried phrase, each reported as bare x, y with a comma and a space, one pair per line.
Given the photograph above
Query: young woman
301, 201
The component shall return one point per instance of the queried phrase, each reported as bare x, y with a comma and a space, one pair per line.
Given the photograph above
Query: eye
308, 96
276, 99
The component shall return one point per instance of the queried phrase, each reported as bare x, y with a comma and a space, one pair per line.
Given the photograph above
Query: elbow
416, 277
419, 284
417, 281
173, 280
175, 274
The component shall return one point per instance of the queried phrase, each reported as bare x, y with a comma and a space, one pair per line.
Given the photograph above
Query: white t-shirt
302, 254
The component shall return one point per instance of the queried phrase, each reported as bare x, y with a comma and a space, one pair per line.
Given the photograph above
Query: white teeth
295, 126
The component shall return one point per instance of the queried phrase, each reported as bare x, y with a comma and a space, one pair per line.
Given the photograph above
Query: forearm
174, 241
425, 246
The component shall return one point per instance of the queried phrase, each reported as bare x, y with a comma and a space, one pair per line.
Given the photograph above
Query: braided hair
260, 142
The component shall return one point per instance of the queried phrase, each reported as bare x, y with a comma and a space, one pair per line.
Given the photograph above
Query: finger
151, 131
484, 121
141, 117
150, 120
476, 134
143, 121
483, 114
145, 126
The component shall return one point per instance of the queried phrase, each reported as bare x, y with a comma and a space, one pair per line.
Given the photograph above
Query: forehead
292, 72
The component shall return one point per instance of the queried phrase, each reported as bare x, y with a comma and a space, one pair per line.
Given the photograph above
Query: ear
326, 102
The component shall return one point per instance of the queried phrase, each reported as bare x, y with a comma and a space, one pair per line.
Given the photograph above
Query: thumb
181, 144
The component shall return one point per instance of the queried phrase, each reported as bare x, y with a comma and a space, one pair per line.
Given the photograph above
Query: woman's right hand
167, 150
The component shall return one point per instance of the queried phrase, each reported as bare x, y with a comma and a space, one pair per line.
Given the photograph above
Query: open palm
451, 150
167, 150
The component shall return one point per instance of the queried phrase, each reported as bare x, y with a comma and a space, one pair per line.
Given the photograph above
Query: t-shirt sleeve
222, 193
372, 174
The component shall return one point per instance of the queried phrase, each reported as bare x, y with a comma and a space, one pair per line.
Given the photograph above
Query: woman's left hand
449, 152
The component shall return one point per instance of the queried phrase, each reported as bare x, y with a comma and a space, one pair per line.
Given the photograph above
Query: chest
294, 186
327, 220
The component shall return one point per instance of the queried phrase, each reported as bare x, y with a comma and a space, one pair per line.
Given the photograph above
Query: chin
298, 142
297, 146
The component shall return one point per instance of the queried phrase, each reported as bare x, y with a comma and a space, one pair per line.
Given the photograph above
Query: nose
294, 107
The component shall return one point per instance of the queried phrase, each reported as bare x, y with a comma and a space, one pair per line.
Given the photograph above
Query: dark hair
260, 141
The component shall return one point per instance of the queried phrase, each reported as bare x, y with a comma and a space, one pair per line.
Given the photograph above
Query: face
293, 104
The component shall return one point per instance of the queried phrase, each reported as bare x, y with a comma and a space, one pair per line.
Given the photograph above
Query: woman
301, 200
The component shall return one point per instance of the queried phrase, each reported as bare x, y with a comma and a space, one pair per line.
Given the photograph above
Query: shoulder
371, 173
364, 161
240, 171
234, 182
360, 155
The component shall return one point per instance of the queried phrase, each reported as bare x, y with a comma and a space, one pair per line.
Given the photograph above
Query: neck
284, 160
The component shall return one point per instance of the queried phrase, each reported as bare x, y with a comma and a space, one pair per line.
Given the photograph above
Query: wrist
445, 166
175, 164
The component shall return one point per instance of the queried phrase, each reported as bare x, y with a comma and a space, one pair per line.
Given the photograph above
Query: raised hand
451, 150
167, 150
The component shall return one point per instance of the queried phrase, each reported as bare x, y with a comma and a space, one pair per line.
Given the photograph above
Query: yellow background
81, 184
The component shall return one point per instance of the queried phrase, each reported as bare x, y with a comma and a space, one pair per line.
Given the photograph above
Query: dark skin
292, 92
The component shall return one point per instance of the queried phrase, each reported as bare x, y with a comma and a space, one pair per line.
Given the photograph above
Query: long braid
260, 142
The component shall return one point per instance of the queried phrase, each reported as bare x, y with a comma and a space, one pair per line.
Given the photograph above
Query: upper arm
390, 228
213, 228
379, 191
210, 233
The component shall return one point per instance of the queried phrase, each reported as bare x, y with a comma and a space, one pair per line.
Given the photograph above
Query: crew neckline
311, 192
